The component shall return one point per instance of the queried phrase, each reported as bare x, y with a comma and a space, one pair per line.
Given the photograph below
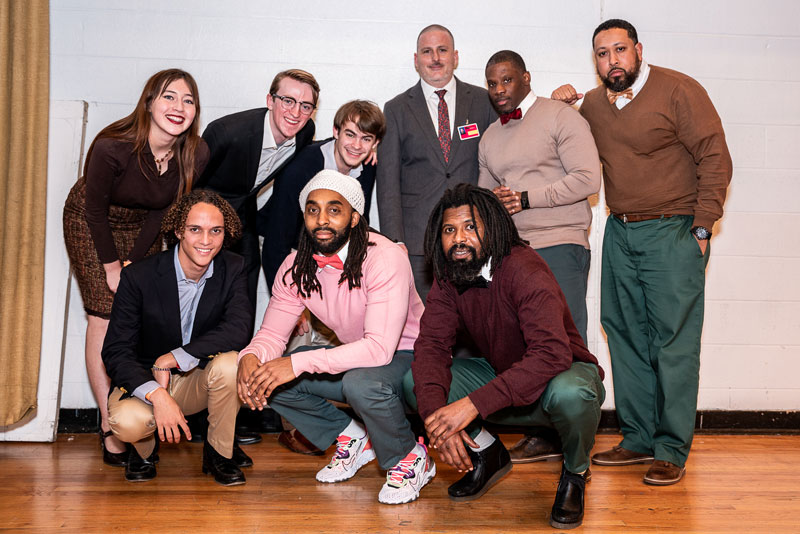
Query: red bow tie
333, 261
505, 117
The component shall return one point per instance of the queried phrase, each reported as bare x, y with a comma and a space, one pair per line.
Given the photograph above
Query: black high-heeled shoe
114, 459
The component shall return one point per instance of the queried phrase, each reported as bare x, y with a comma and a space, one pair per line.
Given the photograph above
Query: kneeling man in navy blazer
176, 325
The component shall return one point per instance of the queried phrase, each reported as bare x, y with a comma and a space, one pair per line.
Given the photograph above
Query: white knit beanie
346, 186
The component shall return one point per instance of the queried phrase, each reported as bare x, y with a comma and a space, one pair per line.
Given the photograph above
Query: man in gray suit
431, 144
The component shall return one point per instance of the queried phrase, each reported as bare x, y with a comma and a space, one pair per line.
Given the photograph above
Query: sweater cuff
489, 399
706, 220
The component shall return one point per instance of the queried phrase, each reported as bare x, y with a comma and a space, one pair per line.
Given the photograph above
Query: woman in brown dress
135, 168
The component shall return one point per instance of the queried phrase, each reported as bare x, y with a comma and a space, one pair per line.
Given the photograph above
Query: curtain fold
24, 107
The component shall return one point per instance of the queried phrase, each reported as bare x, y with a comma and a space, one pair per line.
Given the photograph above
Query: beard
623, 82
335, 243
463, 271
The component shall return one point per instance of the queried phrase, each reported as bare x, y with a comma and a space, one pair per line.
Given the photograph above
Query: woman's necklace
162, 159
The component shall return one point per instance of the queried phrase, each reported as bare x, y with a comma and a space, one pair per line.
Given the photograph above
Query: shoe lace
397, 475
343, 446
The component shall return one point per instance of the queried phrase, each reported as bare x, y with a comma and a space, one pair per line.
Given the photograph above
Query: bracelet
154, 368
523, 200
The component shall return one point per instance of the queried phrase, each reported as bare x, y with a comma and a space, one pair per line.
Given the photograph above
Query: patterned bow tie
612, 96
505, 117
333, 261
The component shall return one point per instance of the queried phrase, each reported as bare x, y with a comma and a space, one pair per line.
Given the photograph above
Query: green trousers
653, 284
570, 404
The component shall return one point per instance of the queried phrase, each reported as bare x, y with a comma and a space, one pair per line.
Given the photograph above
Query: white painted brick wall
746, 54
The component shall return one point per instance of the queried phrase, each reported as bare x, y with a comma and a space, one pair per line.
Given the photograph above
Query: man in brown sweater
535, 369
667, 169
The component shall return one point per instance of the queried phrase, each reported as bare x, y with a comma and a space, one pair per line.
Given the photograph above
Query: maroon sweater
520, 323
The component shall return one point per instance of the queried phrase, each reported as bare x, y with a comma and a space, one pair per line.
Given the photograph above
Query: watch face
701, 232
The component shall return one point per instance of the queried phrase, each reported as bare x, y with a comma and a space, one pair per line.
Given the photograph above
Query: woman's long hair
135, 128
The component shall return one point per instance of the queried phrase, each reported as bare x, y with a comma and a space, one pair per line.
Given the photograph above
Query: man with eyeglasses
248, 149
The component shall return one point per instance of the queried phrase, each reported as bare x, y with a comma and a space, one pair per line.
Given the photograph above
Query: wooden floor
733, 484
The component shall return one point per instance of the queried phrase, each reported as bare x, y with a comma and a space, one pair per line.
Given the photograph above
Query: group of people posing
468, 306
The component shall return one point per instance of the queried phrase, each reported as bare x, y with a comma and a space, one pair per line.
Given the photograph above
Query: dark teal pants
570, 404
653, 283
570, 266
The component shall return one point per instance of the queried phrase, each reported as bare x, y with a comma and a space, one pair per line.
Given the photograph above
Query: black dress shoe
240, 458
568, 508
266, 421
246, 437
114, 459
224, 469
488, 467
141, 469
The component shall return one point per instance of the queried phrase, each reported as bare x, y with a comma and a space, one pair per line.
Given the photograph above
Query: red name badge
468, 131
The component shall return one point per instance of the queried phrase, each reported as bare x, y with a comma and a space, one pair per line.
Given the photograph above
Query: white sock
484, 440
354, 430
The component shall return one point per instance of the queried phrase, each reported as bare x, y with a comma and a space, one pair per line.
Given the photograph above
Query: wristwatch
523, 200
701, 232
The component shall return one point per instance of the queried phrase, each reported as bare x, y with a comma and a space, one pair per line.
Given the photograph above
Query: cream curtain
24, 104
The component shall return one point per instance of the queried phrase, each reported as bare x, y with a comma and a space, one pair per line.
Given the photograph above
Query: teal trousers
653, 283
570, 404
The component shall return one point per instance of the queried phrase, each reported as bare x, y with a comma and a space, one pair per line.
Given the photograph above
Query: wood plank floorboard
733, 484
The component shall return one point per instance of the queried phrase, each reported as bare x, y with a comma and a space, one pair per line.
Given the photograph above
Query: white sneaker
404, 480
351, 454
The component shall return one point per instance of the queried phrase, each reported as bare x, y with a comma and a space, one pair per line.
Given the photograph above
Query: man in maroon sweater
536, 369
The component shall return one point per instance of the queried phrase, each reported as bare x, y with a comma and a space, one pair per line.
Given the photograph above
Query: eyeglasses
288, 103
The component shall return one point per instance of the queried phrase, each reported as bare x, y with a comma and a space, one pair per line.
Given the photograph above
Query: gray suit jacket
412, 174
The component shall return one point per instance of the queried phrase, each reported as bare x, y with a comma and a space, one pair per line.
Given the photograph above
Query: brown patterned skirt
125, 225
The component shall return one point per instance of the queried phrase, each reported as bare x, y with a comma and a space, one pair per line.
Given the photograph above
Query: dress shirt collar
430, 91
644, 72
269, 139
329, 159
486, 270
526, 104
181, 276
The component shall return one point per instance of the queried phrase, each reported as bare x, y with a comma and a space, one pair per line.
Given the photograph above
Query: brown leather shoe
534, 449
663, 473
620, 456
297, 442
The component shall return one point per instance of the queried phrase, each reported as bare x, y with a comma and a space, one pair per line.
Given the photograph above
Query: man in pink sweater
360, 285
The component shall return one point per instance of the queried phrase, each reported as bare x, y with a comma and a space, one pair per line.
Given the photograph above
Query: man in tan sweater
667, 169
540, 160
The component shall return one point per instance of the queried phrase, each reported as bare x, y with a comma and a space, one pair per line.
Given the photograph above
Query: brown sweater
550, 154
663, 153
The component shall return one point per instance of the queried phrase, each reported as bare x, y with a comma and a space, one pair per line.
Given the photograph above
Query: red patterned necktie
516, 115
612, 96
444, 125
333, 261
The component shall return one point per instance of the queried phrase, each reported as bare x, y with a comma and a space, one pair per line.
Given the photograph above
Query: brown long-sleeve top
663, 153
521, 324
114, 177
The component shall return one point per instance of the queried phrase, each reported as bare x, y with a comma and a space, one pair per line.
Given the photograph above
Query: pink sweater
372, 321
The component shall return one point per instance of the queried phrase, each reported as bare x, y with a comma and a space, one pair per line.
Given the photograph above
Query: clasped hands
445, 429
255, 381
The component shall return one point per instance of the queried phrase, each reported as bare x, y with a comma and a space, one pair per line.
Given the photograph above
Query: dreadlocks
500, 232
304, 270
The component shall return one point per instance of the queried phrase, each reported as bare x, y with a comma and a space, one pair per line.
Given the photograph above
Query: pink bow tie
333, 261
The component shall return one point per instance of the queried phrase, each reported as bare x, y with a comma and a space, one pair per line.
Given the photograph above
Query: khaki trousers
214, 387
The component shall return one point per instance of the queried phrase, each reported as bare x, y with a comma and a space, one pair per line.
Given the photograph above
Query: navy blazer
235, 143
146, 319
280, 221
